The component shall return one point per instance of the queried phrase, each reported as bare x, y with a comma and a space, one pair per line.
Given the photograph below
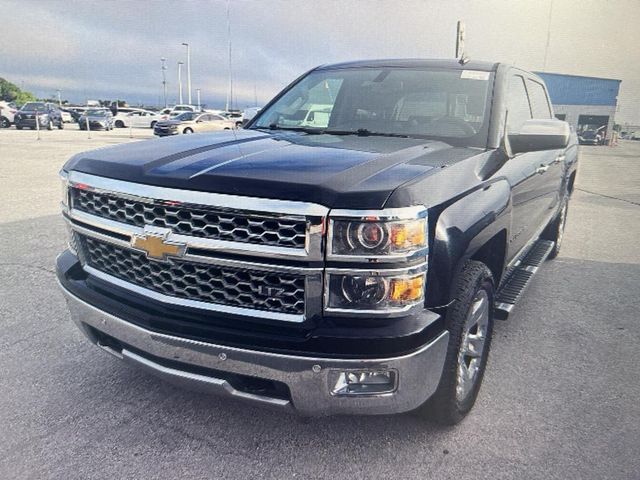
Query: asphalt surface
560, 398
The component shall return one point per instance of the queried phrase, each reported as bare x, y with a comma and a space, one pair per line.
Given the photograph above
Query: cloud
113, 49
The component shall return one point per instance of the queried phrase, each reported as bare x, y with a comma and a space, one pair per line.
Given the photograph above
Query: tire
187, 131
555, 230
61, 125
471, 312
153, 124
18, 128
4, 122
50, 125
119, 124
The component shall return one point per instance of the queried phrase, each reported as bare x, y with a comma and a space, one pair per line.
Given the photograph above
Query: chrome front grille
223, 253
246, 288
195, 221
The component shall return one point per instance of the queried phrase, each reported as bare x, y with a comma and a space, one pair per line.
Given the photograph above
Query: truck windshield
451, 105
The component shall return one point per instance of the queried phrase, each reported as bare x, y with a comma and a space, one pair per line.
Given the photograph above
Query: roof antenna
460, 55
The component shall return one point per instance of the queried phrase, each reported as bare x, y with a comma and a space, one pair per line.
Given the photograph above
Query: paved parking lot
560, 398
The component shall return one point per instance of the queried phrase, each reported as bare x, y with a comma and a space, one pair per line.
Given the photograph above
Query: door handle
559, 158
542, 168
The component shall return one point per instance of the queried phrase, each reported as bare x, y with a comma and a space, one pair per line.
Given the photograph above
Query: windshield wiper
293, 128
363, 132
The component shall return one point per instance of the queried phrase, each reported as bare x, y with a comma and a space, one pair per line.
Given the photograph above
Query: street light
164, 80
180, 82
188, 71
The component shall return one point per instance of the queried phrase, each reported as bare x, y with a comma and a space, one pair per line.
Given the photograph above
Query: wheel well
493, 253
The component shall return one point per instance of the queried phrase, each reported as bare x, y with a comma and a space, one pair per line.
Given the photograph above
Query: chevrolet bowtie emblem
154, 243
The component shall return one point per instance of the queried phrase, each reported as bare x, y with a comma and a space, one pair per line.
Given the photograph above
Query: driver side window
517, 104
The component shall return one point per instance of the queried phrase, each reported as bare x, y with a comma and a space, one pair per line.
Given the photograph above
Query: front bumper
216, 368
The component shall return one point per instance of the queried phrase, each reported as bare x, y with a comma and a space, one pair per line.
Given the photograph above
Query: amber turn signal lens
406, 289
408, 234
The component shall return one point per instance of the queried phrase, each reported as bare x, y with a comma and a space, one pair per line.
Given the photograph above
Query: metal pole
188, 71
198, 93
180, 82
164, 80
230, 93
38, 124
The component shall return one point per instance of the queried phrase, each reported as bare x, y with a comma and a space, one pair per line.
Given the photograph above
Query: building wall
577, 90
573, 112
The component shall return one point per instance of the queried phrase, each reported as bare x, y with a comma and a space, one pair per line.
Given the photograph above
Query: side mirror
536, 135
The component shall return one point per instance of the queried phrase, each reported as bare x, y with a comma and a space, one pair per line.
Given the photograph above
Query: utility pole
188, 71
229, 103
164, 80
59, 99
546, 48
180, 82
198, 93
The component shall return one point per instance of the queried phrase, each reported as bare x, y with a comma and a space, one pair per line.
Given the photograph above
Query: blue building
587, 103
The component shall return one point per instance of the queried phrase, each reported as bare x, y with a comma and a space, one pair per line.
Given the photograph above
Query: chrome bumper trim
309, 379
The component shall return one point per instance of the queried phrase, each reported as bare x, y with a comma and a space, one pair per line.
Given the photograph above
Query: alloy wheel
472, 345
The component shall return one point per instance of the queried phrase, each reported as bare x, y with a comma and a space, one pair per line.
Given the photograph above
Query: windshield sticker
474, 75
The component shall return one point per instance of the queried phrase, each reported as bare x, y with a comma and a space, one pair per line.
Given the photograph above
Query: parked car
7, 113
136, 118
193, 122
46, 114
589, 137
249, 113
234, 115
67, 117
98, 118
185, 108
353, 268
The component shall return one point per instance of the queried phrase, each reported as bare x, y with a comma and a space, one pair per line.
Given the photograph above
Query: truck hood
335, 171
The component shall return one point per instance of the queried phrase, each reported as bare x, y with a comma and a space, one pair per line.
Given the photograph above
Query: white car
137, 118
66, 116
249, 113
7, 112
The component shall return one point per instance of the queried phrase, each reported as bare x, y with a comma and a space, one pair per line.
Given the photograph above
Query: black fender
461, 230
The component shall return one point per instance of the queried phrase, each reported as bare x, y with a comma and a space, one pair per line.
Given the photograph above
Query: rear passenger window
538, 98
517, 104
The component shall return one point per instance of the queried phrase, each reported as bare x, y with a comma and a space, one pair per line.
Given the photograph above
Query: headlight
386, 235
64, 190
369, 291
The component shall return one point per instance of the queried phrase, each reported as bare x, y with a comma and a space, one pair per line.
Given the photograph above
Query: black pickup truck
345, 253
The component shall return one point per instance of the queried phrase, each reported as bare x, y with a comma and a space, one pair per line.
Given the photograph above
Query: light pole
164, 80
198, 93
59, 99
188, 71
180, 82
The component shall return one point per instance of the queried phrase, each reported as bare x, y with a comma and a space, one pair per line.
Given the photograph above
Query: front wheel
4, 122
187, 131
470, 324
119, 124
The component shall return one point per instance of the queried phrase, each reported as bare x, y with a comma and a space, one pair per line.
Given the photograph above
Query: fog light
370, 382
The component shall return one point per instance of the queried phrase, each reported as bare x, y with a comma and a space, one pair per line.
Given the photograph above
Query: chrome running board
519, 278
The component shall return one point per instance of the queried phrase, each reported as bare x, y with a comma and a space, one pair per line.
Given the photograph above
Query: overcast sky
112, 49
